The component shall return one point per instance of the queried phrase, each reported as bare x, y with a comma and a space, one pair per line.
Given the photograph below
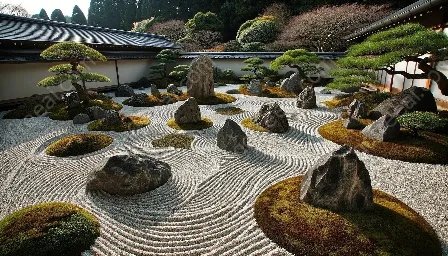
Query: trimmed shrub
204, 21
263, 29
424, 121
143, 25
48, 229
78, 144
253, 47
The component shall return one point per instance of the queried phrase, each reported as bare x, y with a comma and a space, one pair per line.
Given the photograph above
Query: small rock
270, 83
254, 87
174, 90
96, 113
307, 98
124, 91
293, 84
167, 99
357, 109
386, 128
72, 100
339, 181
143, 82
233, 91
188, 112
352, 123
138, 100
81, 119
231, 137
112, 117
272, 117
127, 175
154, 91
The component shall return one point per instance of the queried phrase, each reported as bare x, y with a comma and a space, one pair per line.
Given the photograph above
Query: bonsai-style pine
158, 72
254, 65
180, 73
300, 59
74, 53
381, 51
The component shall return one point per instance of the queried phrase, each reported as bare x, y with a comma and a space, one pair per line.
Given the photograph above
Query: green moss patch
174, 140
152, 101
391, 228
249, 124
62, 112
269, 92
229, 111
127, 123
370, 99
48, 229
428, 147
78, 144
201, 125
219, 98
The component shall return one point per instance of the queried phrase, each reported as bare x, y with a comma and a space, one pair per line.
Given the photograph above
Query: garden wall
18, 80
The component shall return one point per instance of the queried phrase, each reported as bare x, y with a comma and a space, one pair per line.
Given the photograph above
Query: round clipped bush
174, 140
48, 229
78, 144
263, 29
424, 121
201, 125
127, 123
391, 228
229, 111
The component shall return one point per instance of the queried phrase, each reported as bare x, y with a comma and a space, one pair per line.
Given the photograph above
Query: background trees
43, 14
78, 16
57, 15
13, 9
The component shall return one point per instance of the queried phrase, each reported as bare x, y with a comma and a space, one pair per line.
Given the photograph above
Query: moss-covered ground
269, 92
201, 125
78, 144
127, 123
174, 140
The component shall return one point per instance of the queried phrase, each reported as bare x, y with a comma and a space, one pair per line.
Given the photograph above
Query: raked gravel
206, 207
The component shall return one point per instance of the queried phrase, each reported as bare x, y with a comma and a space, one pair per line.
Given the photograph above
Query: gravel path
206, 208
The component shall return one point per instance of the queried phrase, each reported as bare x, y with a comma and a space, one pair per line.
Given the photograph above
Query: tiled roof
14, 28
262, 55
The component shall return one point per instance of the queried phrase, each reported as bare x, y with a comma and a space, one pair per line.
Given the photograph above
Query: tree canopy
43, 14
57, 15
78, 16
300, 59
13, 9
381, 51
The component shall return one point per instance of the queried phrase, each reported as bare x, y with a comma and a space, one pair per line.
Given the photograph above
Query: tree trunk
81, 89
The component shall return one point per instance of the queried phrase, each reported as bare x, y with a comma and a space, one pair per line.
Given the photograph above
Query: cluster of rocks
272, 117
200, 83
174, 90
293, 84
111, 117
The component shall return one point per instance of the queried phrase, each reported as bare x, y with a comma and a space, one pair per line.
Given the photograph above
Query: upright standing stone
154, 91
293, 84
386, 128
200, 78
254, 87
339, 181
188, 112
357, 109
232, 138
307, 98
272, 117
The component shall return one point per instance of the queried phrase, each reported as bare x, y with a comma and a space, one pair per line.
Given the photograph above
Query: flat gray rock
188, 112
386, 128
231, 137
339, 181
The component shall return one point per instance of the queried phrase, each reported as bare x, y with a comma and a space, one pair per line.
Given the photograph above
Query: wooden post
116, 70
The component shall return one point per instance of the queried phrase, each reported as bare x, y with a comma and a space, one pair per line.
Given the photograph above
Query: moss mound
269, 92
127, 123
229, 111
219, 98
174, 140
249, 124
429, 147
48, 229
78, 144
152, 101
371, 99
392, 228
201, 125
62, 112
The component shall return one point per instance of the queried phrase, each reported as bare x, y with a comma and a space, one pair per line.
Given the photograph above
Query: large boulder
188, 112
174, 90
254, 87
272, 117
127, 175
72, 99
200, 78
307, 98
81, 119
124, 91
386, 128
154, 91
143, 82
232, 138
293, 84
410, 100
96, 113
339, 181
357, 109
138, 100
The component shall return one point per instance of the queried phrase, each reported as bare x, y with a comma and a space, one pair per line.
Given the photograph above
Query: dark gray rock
154, 91
307, 98
270, 83
352, 123
174, 90
409, 100
339, 181
81, 119
96, 113
143, 82
188, 112
124, 91
112, 117
138, 100
357, 109
232, 138
386, 128
126, 175
200, 78
167, 99
272, 117
293, 84
71, 99
233, 91
254, 87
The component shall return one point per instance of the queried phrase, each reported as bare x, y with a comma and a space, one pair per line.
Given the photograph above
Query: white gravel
206, 208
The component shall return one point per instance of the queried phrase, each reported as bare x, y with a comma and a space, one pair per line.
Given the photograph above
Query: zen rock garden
283, 167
